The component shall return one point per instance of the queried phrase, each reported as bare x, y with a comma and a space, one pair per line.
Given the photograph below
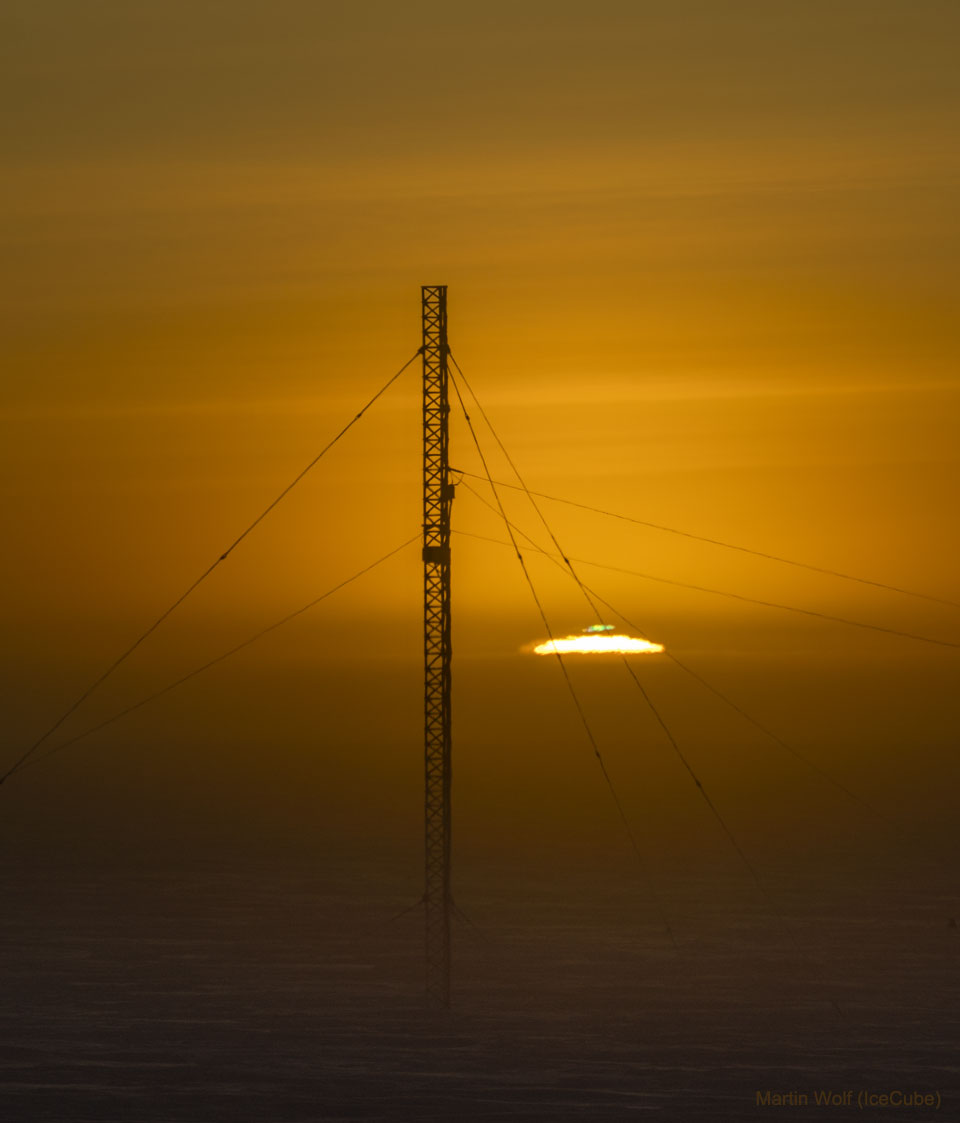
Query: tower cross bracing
437, 499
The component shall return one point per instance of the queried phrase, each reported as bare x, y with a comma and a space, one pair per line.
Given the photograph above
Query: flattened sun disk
597, 640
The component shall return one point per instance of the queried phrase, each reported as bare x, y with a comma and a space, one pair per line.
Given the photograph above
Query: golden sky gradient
702, 269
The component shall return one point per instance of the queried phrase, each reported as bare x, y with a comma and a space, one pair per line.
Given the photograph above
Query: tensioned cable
753, 721
659, 717
750, 600
661, 721
726, 545
703, 682
218, 659
890, 823
710, 804
567, 562
700, 588
570, 687
457, 912
776, 604
588, 592
203, 576
626, 663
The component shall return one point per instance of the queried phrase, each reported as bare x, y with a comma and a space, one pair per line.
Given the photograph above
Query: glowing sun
598, 639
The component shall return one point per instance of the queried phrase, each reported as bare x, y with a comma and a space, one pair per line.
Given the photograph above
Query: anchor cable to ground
217, 659
569, 684
102, 678
725, 545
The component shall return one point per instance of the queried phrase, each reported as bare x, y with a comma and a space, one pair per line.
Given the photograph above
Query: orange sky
702, 270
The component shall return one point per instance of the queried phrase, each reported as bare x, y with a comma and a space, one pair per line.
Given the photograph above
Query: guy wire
199, 581
218, 659
570, 687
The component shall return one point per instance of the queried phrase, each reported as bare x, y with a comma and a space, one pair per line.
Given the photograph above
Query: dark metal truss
437, 498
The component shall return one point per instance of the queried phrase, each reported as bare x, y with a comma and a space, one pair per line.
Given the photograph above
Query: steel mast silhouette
437, 499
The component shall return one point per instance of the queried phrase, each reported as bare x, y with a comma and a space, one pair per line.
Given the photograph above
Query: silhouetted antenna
437, 498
